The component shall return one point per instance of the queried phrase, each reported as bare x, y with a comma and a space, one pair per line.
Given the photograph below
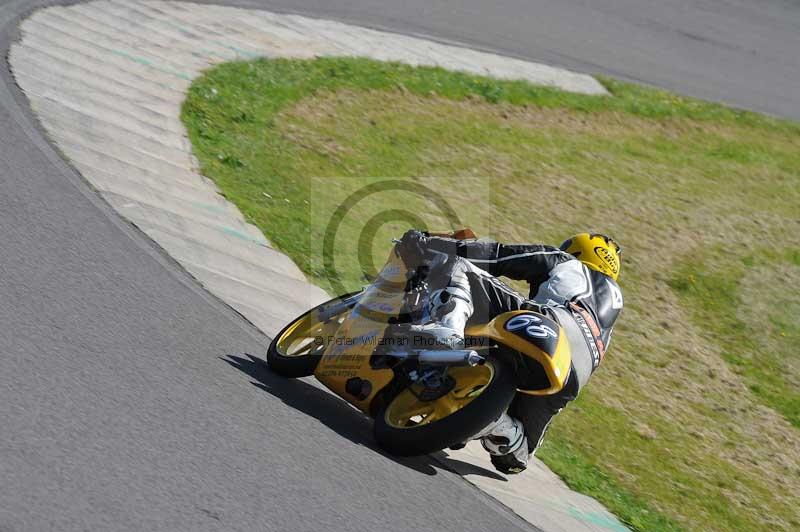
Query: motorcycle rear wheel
408, 426
297, 349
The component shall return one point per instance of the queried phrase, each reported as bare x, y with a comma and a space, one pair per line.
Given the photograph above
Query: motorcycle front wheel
297, 349
410, 426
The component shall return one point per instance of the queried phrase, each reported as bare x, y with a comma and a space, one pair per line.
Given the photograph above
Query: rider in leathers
574, 284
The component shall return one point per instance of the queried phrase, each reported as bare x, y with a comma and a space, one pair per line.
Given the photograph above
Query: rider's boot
505, 441
451, 307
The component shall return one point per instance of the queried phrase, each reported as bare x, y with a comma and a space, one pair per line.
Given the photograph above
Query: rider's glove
412, 248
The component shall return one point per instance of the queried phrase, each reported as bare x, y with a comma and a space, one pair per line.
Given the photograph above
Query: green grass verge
689, 423
755, 343
581, 474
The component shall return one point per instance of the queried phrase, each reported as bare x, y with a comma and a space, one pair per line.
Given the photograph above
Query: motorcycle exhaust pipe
459, 357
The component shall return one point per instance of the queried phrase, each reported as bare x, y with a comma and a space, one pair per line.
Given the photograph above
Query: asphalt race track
126, 399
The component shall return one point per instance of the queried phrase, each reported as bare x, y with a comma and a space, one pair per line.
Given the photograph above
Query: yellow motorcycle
422, 399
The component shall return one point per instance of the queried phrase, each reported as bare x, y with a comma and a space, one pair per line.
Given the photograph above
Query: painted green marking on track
137, 59
209, 207
146, 62
238, 234
598, 519
238, 50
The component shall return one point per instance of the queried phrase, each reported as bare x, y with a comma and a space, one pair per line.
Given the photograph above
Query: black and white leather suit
561, 287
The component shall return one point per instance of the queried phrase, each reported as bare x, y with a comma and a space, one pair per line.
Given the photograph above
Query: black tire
297, 366
455, 428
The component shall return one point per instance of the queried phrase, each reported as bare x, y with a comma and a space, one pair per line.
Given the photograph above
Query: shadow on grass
340, 416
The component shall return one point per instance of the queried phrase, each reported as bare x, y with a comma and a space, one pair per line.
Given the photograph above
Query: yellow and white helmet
596, 251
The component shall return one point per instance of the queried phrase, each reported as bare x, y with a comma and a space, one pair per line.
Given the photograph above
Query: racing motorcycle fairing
540, 340
345, 365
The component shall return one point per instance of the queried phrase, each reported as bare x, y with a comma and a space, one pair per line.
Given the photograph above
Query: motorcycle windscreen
345, 366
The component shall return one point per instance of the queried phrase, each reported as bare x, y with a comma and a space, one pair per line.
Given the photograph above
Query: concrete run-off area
107, 79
